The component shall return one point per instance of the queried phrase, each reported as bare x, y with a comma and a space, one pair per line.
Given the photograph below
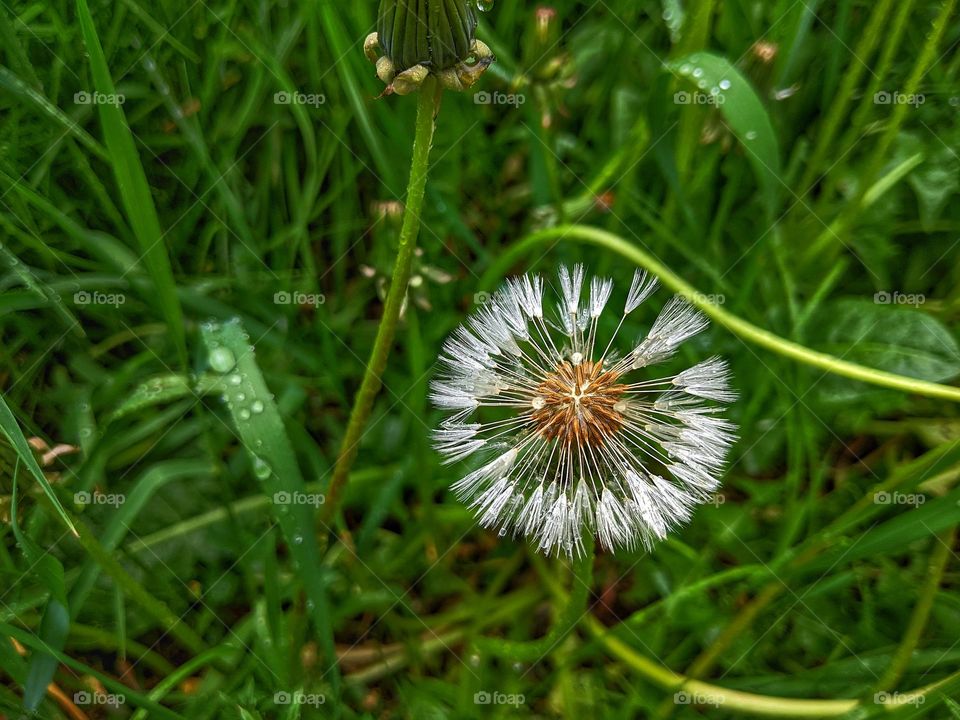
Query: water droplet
698, 72
751, 135
484, 5
685, 69
724, 84
235, 379
244, 414
222, 360
241, 397
256, 407
261, 469
298, 539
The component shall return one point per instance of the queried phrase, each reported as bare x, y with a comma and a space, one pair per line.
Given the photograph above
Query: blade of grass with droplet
742, 111
21, 90
262, 433
52, 299
134, 189
11, 430
163, 389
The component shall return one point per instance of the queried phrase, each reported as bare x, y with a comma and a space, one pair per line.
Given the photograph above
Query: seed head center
579, 404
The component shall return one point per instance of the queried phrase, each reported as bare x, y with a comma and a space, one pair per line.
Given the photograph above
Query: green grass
153, 249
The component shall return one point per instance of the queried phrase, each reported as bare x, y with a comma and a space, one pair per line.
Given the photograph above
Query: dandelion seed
570, 442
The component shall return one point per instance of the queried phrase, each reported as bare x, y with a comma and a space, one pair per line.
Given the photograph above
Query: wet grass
200, 206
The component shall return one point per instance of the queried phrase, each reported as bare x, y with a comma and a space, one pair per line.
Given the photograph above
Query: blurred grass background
199, 205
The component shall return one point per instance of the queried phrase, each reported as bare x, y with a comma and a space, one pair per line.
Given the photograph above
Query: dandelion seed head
570, 437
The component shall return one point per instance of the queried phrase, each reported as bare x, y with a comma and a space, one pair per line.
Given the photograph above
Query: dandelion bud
423, 37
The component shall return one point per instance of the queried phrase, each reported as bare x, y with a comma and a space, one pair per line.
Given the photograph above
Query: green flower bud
435, 33
420, 37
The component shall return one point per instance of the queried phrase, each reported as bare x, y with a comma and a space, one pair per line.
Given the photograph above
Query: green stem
428, 104
733, 701
733, 323
943, 543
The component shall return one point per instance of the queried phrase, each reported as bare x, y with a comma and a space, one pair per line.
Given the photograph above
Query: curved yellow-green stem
731, 700
733, 323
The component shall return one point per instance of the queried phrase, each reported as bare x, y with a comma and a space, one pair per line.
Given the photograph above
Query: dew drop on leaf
222, 360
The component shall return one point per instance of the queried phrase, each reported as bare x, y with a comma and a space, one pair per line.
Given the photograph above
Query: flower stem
733, 323
942, 549
428, 103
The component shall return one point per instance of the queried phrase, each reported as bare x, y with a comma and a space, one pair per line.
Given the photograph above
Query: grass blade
132, 182
262, 433
11, 430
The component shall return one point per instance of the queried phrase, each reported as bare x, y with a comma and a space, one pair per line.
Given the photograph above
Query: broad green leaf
886, 334
719, 84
